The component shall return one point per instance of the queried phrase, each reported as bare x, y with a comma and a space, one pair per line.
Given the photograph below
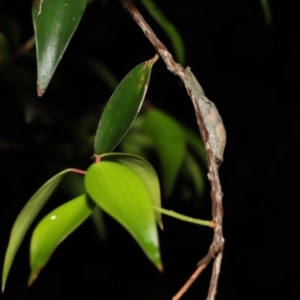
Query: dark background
250, 71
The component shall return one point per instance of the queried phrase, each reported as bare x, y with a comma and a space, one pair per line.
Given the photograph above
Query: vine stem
185, 218
78, 171
216, 247
201, 266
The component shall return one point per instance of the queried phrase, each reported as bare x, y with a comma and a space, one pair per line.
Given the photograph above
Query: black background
250, 71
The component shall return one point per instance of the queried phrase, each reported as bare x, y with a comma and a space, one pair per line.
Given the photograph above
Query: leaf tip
160, 267
40, 91
154, 59
33, 276
161, 225
4, 276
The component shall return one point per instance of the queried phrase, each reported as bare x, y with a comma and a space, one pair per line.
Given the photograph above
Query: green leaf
169, 29
121, 193
145, 171
169, 140
123, 107
55, 22
25, 218
53, 229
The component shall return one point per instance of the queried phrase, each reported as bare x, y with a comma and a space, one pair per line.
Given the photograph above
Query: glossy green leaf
25, 219
169, 29
123, 107
121, 193
55, 22
169, 140
145, 171
53, 229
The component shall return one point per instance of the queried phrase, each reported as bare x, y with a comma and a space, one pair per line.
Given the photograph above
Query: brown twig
216, 247
201, 266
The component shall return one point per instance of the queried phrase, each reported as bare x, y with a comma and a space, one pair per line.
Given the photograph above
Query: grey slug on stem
211, 117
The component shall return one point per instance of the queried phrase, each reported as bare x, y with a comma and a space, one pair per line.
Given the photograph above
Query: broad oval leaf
53, 229
123, 107
146, 173
168, 137
121, 193
55, 22
25, 219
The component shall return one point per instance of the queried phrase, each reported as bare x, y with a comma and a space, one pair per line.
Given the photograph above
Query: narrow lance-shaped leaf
55, 22
53, 229
123, 107
121, 193
25, 219
145, 171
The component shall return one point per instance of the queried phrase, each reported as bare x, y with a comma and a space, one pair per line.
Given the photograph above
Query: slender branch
215, 276
78, 171
216, 247
201, 266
